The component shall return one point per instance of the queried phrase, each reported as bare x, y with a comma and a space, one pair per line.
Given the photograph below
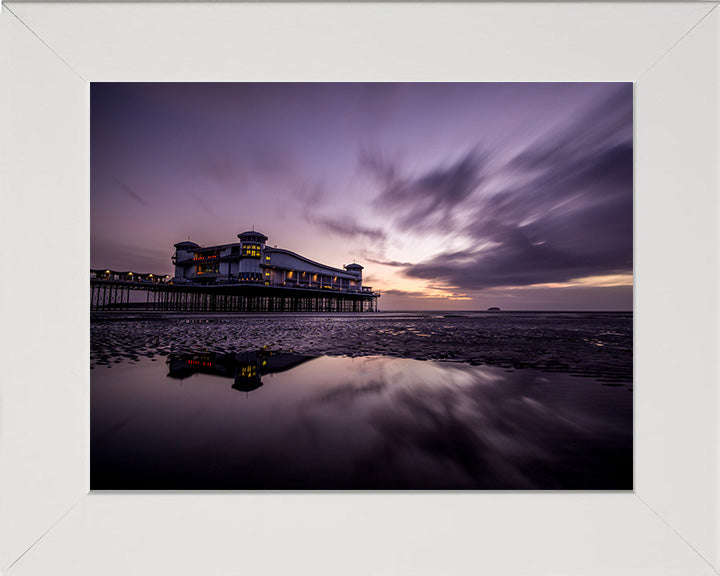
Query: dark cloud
221, 168
378, 166
310, 196
270, 161
393, 263
130, 192
603, 125
570, 218
427, 200
234, 169
203, 204
346, 226
533, 181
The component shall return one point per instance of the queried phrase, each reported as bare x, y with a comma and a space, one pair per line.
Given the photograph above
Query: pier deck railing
106, 295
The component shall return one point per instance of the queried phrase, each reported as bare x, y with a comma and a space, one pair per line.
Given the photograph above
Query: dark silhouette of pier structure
112, 291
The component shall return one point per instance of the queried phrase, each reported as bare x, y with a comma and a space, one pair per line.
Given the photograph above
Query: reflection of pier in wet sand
245, 368
341, 423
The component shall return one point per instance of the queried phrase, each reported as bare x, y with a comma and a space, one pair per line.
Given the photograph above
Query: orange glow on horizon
589, 281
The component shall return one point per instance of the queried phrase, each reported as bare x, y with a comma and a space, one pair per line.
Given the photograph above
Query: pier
243, 276
111, 294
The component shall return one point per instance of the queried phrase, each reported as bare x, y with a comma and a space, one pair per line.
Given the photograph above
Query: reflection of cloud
469, 427
350, 392
474, 446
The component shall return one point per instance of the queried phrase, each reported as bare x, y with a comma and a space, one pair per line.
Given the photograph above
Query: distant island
493, 309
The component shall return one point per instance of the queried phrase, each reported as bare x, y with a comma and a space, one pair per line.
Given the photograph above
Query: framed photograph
477, 337
584, 139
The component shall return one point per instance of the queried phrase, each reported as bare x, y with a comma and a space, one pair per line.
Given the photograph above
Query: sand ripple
595, 345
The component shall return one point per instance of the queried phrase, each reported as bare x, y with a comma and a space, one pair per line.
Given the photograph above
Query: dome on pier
252, 236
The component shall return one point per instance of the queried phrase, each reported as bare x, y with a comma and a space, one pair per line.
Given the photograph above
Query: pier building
243, 276
252, 261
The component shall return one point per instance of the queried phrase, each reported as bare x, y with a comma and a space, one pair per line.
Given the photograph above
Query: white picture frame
51, 524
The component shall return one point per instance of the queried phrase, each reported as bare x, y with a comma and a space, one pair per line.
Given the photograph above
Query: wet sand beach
597, 345
367, 401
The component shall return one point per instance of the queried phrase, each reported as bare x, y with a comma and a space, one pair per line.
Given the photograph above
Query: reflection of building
245, 368
250, 261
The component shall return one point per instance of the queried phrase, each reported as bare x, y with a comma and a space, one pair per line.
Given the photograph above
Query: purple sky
453, 196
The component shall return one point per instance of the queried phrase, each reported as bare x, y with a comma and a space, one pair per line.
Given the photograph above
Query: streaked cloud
519, 194
130, 192
429, 199
570, 218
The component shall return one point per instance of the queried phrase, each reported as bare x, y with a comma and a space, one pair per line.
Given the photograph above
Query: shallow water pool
268, 421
